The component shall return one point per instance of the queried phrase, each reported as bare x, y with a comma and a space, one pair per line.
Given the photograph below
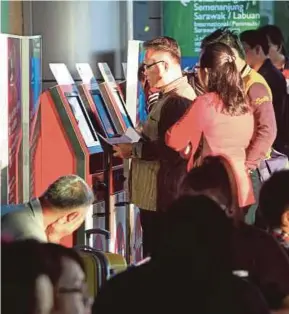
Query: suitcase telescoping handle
105, 233
101, 231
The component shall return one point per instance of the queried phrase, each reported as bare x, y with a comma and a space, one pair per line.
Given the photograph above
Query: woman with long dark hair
219, 122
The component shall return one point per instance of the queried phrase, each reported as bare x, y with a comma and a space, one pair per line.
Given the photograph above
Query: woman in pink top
219, 122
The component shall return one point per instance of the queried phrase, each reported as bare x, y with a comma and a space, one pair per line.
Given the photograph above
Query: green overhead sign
190, 21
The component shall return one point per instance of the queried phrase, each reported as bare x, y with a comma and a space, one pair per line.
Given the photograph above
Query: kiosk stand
64, 141
106, 125
134, 232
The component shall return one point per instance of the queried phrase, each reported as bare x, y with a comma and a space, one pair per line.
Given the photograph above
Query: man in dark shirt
257, 48
277, 50
154, 165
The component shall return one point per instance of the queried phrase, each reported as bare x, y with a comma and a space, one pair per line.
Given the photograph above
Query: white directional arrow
185, 2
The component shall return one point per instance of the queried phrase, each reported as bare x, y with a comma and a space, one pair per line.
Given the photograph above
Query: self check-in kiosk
114, 99
111, 88
64, 141
106, 126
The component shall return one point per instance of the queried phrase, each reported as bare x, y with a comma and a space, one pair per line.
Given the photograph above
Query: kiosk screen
123, 111
82, 121
103, 114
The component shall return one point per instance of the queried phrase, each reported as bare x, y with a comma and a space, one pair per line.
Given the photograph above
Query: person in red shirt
220, 122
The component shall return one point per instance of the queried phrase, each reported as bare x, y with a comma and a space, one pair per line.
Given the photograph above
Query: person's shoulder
259, 93
209, 96
10, 212
208, 100
123, 284
255, 77
19, 223
248, 229
188, 92
254, 80
249, 296
257, 235
237, 295
184, 89
10, 209
276, 77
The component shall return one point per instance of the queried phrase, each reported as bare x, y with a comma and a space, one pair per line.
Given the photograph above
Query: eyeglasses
87, 301
148, 66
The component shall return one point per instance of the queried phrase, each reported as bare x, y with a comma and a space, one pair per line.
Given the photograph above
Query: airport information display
190, 21
201, 18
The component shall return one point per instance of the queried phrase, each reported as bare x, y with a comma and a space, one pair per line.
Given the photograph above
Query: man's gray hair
68, 192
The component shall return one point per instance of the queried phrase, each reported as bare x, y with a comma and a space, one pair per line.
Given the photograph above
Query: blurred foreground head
42, 278
197, 230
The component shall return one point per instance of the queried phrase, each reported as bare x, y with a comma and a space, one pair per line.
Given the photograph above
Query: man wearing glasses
152, 161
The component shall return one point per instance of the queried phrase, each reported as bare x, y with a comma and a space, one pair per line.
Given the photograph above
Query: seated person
189, 274
254, 250
42, 278
274, 206
58, 212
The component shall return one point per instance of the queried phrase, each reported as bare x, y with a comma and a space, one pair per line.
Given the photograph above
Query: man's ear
73, 216
166, 65
67, 218
258, 49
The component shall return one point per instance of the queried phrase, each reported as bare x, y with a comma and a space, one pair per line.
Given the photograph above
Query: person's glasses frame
148, 66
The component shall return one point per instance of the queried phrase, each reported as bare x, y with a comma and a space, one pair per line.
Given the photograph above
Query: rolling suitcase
99, 265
